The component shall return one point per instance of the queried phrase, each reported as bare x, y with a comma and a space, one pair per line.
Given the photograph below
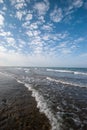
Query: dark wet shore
18, 109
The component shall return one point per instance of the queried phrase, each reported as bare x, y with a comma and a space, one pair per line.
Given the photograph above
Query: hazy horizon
59, 67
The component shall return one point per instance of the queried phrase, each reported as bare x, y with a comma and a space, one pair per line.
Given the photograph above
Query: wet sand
18, 109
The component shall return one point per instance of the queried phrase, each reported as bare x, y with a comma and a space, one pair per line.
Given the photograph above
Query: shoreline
18, 109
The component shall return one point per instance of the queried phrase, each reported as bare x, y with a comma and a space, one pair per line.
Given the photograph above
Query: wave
19, 81
19, 68
68, 71
26, 70
43, 107
63, 71
60, 81
7, 74
80, 73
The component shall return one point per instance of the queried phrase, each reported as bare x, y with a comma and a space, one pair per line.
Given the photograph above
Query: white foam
19, 81
42, 105
19, 68
80, 73
60, 81
7, 74
26, 70
63, 71
67, 71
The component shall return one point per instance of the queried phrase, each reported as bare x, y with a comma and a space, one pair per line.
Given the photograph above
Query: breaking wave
60, 81
80, 73
68, 71
61, 71
42, 105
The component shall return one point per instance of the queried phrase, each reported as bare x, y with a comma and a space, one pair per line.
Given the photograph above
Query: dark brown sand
18, 109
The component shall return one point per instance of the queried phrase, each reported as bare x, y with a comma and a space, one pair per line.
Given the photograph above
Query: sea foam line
63, 71
80, 73
68, 71
60, 81
42, 105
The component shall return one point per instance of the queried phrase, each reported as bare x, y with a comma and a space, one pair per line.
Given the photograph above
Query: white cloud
20, 1
13, 2
78, 40
30, 26
55, 36
29, 17
36, 32
20, 14
41, 20
26, 24
17, 1
41, 7
29, 33
5, 34
13, 45
45, 37
18, 4
77, 3
62, 45
36, 41
47, 27
73, 5
1, 20
10, 40
66, 51
1, 1
38, 50
33, 26
62, 35
4, 8
56, 15
2, 49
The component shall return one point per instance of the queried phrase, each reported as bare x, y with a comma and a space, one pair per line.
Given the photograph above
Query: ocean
60, 93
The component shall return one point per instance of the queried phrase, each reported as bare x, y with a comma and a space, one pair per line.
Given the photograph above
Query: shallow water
61, 93
18, 109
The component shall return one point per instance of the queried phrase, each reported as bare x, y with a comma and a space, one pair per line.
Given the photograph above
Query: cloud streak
1, 20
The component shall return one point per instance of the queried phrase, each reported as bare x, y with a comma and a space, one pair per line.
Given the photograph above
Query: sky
43, 33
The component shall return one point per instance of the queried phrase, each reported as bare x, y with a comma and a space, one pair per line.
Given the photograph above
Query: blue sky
43, 33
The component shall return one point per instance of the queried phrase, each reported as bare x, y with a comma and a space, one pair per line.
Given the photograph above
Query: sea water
61, 93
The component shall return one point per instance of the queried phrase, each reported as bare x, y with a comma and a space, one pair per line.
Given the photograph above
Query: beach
18, 109
43, 98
